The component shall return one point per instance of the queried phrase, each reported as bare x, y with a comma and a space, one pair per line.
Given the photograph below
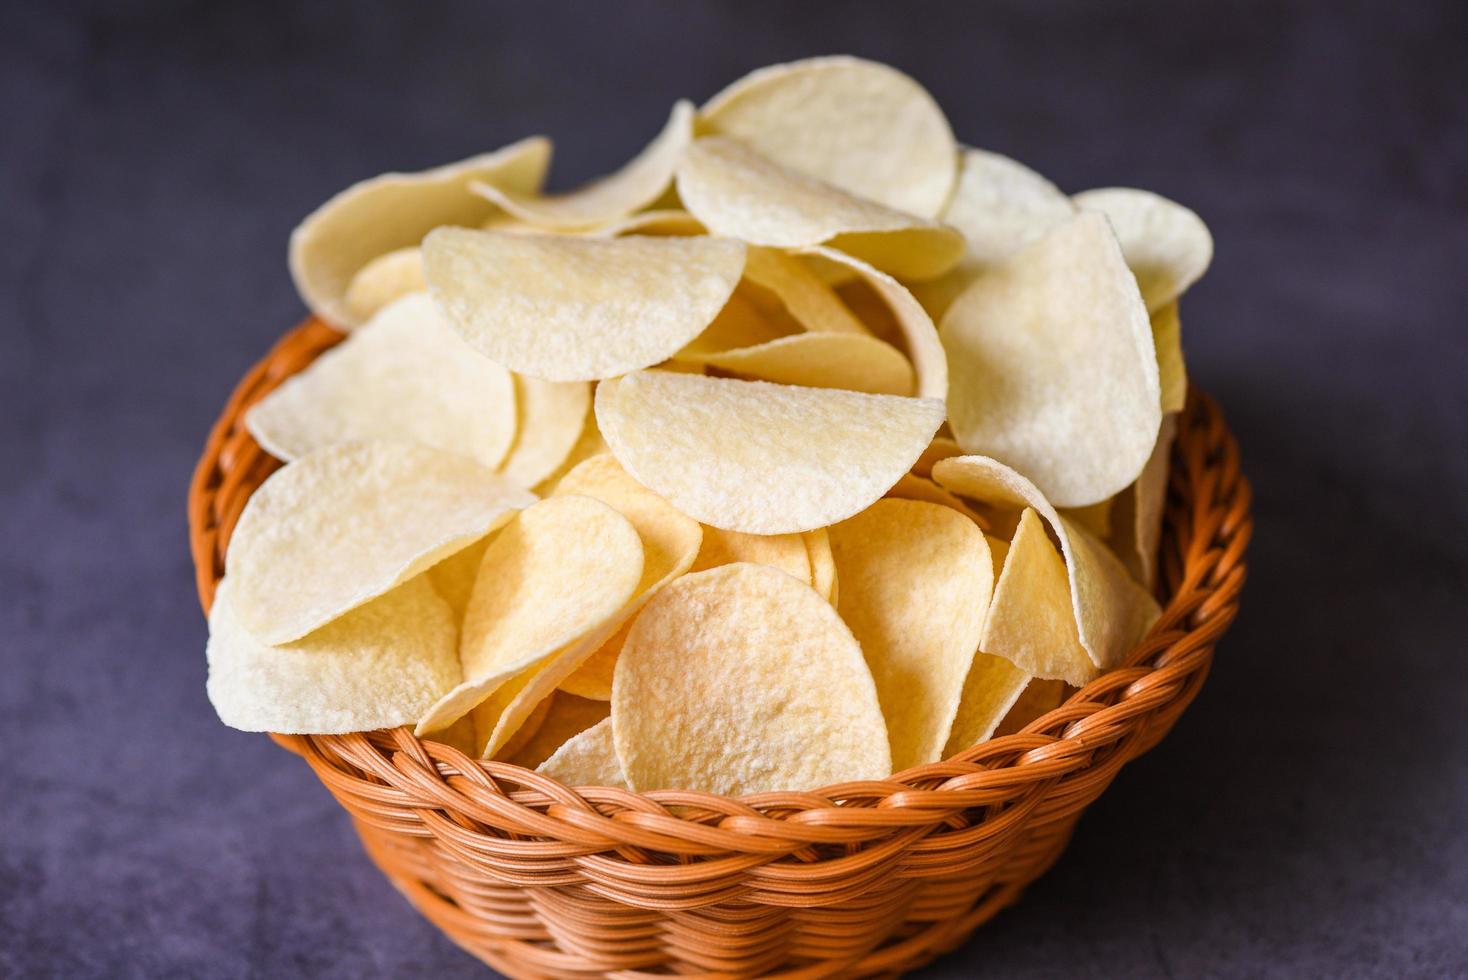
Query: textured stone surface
1306, 818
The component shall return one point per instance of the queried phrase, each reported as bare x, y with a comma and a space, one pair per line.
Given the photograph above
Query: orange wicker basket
861, 879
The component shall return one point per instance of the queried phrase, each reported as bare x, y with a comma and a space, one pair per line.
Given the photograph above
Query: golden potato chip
396, 210
757, 457
528, 729
1039, 697
741, 679
404, 377
379, 666
736, 192
1137, 531
1166, 245
1095, 518
822, 564
787, 552
803, 294
1110, 612
992, 686
639, 183
940, 448
386, 278
745, 321
460, 735
853, 362
345, 524
672, 222
913, 487
566, 716
858, 125
550, 586
568, 308
552, 416
453, 577
588, 444
915, 582
587, 759
1167, 337
1053, 366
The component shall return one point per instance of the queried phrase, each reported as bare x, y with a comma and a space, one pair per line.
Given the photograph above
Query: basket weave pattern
862, 879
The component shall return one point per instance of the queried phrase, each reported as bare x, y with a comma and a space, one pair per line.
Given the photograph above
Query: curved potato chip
395, 210
1136, 533
940, 448
787, 552
552, 417
861, 126
803, 294
914, 487
404, 377
915, 582
821, 360
567, 308
990, 690
757, 457
587, 759
1166, 245
1095, 518
1167, 337
453, 578
822, 565
745, 321
566, 716
347, 523
528, 729
1110, 612
736, 192
1040, 696
639, 183
742, 680
379, 666
386, 278
668, 222
549, 586
1053, 366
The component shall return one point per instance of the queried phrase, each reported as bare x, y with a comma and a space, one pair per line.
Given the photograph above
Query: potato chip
1166, 245
915, 582
379, 666
386, 278
567, 308
460, 735
1039, 697
588, 444
913, 487
552, 417
1095, 518
787, 552
671, 222
822, 564
757, 457
404, 377
549, 586
1053, 369
992, 686
566, 716
639, 183
396, 210
1167, 337
745, 321
1110, 612
741, 679
736, 192
346, 523
861, 126
1137, 531
809, 300
587, 759
821, 360
940, 448
453, 578
528, 729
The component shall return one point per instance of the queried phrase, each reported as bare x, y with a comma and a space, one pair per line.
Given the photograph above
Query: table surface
1307, 816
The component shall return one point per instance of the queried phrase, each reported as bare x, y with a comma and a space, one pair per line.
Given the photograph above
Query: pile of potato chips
808, 447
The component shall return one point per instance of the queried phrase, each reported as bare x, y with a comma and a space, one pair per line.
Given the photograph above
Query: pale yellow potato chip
1167, 337
803, 294
1039, 697
915, 582
853, 362
787, 552
394, 211
741, 679
999, 549
670, 544
589, 444
1053, 369
379, 666
1110, 612
639, 183
587, 759
386, 278
1166, 245
736, 192
528, 729
822, 565
745, 321
1137, 531
550, 585
914, 487
940, 448
454, 576
566, 716
1095, 518
343, 525
569, 308
861, 126
672, 222
552, 417
404, 377
757, 457
992, 686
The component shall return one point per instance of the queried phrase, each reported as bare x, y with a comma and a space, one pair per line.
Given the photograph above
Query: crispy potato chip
1053, 366
588, 444
915, 582
404, 377
914, 487
587, 759
801, 292
396, 210
1111, 612
992, 686
1136, 533
568, 308
378, 666
552, 416
822, 564
566, 716
1095, 518
761, 458
1166, 245
528, 729
671, 222
386, 278
550, 585
745, 321
453, 577
1039, 697
639, 183
787, 552
861, 126
346, 523
670, 543
1167, 337
740, 679
821, 360
940, 448
736, 192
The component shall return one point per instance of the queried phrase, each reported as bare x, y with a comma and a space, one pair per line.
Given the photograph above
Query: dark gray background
1306, 818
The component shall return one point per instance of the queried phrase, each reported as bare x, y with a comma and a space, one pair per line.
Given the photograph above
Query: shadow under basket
862, 879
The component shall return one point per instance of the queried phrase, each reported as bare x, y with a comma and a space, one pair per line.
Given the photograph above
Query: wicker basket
862, 879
